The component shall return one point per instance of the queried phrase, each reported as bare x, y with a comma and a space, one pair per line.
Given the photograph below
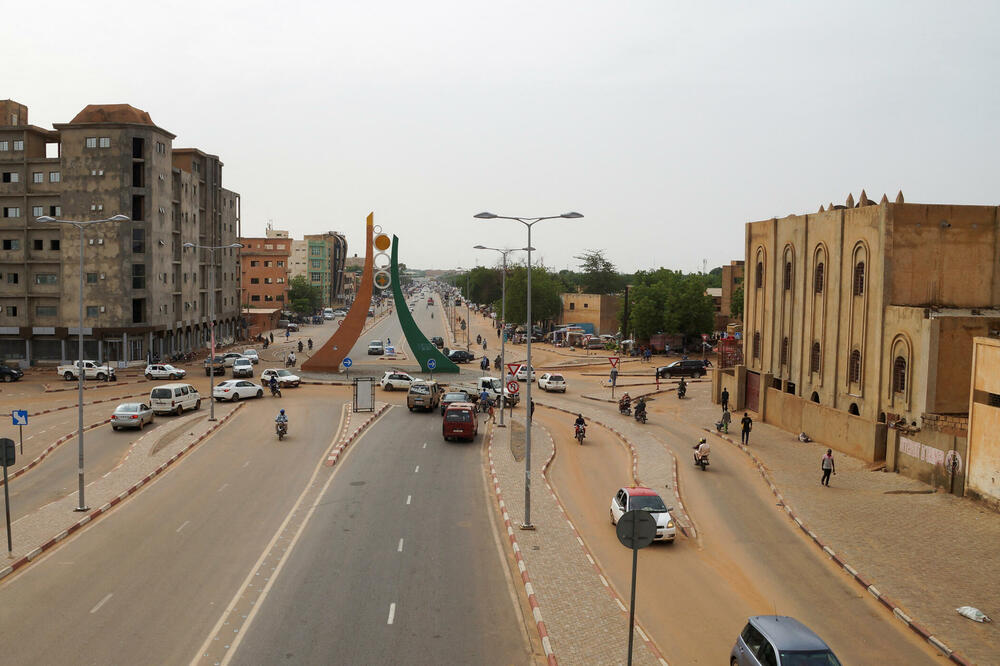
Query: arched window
815, 397
814, 358
859, 278
853, 409
818, 282
760, 275
784, 352
899, 375
756, 345
788, 276
854, 367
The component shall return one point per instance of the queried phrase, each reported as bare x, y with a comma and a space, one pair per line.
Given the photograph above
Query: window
814, 358
760, 275
138, 241
788, 276
91, 278
268, 297
818, 281
756, 344
899, 375
54, 244
315, 263
90, 142
12, 211
139, 276
38, 244
11, 310
784, 351
46, 278
254, 280
138, 316
18, 144
37, 211
255, 298
268, 246
281, 264
54, 177
104, 142
11, 243
161, 148
55, 211
859, 278
45, 310
268, 264
12, 278
315, 251
281, 280
37, 177
4, 146
280, 297
92, 311
10, 177
854, 367
316, 277
253, 264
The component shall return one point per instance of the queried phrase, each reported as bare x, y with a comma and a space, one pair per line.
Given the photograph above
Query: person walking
826, 464
531, 410
489, 410
725, 400
726, 420
272, 336
747, 424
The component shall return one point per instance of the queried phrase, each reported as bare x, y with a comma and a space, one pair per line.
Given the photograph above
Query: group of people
625, 404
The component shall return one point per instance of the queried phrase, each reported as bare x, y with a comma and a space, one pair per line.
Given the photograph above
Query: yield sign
513, 369
613, 360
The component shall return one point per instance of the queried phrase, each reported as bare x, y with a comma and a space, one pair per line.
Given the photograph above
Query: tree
665, 301
304, 297
736, 303
545, 290
599, 275
714, 277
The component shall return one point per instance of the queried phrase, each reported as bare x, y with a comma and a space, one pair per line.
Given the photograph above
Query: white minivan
174, 399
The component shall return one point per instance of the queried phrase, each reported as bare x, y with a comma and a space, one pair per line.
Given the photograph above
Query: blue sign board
431, 364
348, 362
20, 417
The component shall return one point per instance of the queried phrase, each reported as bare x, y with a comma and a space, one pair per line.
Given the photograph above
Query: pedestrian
726, 419
484, 344
484, 364
649, 354
498, 332
725, 400
531, 411
826, 464
489, 408
272, 336
747, 423
388, 341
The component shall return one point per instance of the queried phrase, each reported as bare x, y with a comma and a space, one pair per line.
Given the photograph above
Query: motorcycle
282, 429
581, 432
624, 409
275, 391
640, 416
701, 461
681, 391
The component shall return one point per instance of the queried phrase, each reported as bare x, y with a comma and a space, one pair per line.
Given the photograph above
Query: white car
252, 355
393, 380
234, 389
174, 399
522, 374
163, 371
285, 377
229, 357
131, 415
552, 382
631, 498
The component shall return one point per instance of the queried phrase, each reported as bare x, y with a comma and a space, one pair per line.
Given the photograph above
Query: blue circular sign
431, 364
348, 362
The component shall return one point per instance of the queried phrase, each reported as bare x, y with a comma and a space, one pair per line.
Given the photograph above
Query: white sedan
522, 374
644, 499
285, 377
235, 389
393, 380
552, 382
252, 355
163, 371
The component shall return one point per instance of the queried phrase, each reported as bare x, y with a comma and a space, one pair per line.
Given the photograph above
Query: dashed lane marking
100, 603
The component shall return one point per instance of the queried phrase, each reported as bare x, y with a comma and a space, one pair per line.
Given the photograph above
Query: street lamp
45, 219
211, 319
468, 310
528, 222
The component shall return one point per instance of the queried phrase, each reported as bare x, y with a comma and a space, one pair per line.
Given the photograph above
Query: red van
460, 421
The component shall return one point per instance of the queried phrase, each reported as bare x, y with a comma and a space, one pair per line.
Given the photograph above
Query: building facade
732, 282
325, 256
144, 292
983, 458
264, 268
601, 310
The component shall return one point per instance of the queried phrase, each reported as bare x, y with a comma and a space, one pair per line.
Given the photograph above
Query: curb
345, 441
641, 395
25, 559
86, 404
858, 577
536, 611
52, 447
90, 388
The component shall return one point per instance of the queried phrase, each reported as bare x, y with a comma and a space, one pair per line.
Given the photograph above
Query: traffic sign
348, 362
20, 417
513, 386
636, 529
431, 364
8, 452
513, 369
613, 360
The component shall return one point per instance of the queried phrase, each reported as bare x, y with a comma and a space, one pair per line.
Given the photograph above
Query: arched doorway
853, 409
815, 397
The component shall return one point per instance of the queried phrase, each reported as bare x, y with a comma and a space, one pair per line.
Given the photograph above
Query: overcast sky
668, 125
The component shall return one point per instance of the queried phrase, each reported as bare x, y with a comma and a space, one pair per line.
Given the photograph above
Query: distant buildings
599, 310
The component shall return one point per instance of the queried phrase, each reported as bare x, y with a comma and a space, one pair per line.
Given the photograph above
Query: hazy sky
668, 125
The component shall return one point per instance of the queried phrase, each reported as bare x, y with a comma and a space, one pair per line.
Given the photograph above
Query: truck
91, 370
495, 388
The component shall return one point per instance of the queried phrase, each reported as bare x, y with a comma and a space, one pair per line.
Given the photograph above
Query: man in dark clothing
531, 411
747, 425
725, 400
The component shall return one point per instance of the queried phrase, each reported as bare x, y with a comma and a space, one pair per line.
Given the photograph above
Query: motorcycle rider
640, 408
701, 450
273, 385
291, 359
300, 346
310, 343
625, 404
579, 424
279, 420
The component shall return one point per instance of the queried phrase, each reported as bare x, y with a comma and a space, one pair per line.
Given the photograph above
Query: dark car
689, 368
9, 374
454, 396
218, 366
461, 356
437, 341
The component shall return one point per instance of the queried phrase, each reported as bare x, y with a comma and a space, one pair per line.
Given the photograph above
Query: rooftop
112, 113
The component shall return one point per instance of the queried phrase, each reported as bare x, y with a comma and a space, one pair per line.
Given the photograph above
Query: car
460, 422
552, 382
340, 313
10, 374
631, 498
376, 348
242, 367
174, 399
234, 389
454, 396
685, 368
461, 356
252, 355
437, 341
424, 394
131, 415
779, 640
293, 327
163, 371
522, 373
595, 343
393, 380
216, 366
285, 377
230, 357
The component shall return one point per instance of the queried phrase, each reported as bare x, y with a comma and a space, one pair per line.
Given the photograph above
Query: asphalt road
399, 563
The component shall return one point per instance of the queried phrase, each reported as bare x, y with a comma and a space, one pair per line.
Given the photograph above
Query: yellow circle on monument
382, 242
382, 279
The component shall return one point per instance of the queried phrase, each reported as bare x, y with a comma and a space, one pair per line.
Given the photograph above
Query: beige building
299, 260
601, 310
859, 321
144, 292
983, 459
732, 281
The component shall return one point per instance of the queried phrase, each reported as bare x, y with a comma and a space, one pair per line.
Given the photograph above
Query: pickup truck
493, 388
91, 370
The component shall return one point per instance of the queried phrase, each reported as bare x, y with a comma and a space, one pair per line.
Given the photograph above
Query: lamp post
81, 225
528, 222
468, 310
211, 319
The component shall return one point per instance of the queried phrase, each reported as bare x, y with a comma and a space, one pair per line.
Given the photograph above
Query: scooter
581, 432
282, 430
701, 461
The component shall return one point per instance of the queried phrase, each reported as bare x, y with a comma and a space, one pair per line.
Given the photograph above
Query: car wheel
612, 514
173, 375
388, 387
179, 410
115, 428
141, 422
101, 376
733, 662
260, 394
197, 405
236, 396
68, 376
150, 377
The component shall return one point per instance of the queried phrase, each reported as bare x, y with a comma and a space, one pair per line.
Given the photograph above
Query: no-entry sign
613, 360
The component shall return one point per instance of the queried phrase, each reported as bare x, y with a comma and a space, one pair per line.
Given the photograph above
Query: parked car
460, 422
424, 394
461, 356
216, 366
91, 370
779, 640
285, 377
10, 374
163, 371
454, 396
252, 355
340, 313
174, 399
437, 341
552, 382
393, 380
131, 415
689, 368
376, 348
292, 326
243, 367
230, 357
234, 389
639, 497
522, 374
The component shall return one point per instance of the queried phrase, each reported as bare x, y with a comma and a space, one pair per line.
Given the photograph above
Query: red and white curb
98, 385
346, 439
536, 611
86, 404
859, 578
25, 559
52, 447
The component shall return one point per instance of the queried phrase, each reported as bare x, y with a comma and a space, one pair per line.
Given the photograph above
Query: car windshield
495, 384
160, 393
284, 373
128, 407
458, 416
420, 388
651, 503
808, 658
455, 397
556, 378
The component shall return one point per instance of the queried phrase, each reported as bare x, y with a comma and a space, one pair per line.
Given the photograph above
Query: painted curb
86, 404
52, 447
864, 582
99, 385
345, 439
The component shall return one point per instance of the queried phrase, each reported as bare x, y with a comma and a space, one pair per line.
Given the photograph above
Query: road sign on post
20, 417
513, 369
636, 529
8, 455
613, 360
347, 365
513, 387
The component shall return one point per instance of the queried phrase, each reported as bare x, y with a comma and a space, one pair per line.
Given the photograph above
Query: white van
327, 313
174, 399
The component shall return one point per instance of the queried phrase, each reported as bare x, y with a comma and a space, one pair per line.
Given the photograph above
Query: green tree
599, 275
736, 303
545, 290
304, 297
714, 277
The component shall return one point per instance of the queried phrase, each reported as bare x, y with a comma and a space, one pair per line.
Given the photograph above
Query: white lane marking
246, 463
185, 524
100, 603
417, 469
399, 549
408, 498
392, 612
224, 486
424, 446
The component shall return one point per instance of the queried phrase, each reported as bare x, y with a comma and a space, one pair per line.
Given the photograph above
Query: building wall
732, 279
983, 459
601, 310
264, 272
299, 259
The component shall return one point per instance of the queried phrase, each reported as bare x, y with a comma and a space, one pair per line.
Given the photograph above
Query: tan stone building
601, 310
732, 281
264, 271
859, 322
983, 459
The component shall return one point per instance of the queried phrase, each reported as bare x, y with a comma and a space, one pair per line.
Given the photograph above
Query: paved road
399, 563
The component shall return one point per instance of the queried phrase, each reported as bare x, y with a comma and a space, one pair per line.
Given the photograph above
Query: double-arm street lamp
81, 225
211, 319
528, 222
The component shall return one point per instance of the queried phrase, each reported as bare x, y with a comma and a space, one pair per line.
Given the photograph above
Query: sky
668, 125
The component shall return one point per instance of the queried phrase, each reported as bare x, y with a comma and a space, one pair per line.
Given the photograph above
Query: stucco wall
925, 456
983, 460
839, 430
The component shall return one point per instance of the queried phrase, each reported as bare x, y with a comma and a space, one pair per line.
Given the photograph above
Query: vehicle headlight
670, 523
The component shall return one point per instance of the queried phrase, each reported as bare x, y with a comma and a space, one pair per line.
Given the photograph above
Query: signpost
613, 360
347, 365
513, 369
431, 364
513, 387
9, 457
20, 417
636, 529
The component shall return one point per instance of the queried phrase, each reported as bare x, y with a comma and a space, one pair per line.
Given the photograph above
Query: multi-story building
325, 254
299, 262
264, 271
732, 282
144, 292
598, 310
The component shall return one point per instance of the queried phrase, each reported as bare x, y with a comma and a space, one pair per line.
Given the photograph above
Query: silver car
779, 640
131, 415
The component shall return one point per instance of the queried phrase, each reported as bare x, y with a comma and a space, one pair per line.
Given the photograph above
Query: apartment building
325, 254
144, 292
265, 271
